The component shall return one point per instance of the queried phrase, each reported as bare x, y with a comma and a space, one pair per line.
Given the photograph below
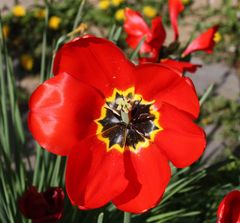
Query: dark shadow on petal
134, 186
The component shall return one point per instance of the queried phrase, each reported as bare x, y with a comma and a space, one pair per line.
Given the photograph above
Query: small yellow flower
185, 2
149, 11
117, 2
26, 62
104, 4
54, 22
18, 11
217, 37
119, 15
5, 31
40, 13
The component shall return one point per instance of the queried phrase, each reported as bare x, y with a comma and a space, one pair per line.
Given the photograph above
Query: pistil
124, 105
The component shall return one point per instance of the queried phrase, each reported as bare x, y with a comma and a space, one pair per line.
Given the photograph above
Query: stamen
127, 121
112, 110
123, 104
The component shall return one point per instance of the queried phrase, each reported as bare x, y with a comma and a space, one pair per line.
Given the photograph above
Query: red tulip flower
175, 7
137, 29
204, 42
44, 207
180, 66
229, 208
119, 124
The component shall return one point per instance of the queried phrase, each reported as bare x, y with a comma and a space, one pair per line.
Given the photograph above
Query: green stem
100, 218
127, 217
206, 94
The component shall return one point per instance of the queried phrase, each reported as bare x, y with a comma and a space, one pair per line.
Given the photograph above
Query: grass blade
79, 14
44, 45
136, 51
206, 94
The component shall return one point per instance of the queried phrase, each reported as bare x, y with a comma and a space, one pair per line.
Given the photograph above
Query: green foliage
225, 114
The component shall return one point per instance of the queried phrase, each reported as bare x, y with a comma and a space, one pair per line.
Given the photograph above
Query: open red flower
175, 7
229, 208
119, 124
204, 42
137, 29
43, 207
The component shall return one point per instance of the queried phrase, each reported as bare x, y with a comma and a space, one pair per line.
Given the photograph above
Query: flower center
127, 121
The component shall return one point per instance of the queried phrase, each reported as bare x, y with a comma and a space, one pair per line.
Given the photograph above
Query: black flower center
127, 121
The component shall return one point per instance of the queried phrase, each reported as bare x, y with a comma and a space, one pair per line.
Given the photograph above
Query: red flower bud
42, 207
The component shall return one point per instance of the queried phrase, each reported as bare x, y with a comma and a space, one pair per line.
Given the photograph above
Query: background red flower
229, 208
137, 29
175, 7
204, 42
42, 207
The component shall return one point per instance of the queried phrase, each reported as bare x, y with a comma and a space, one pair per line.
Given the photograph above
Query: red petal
175, 8
133, 42
143, 60
93, 175
165, 85
148, 173
134, 24
62, 111
95, 61
158, 33
181, 66
203, 42
136, 29
181, 140
229, 208
55, 199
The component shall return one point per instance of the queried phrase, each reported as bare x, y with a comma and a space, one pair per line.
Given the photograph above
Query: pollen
123, 104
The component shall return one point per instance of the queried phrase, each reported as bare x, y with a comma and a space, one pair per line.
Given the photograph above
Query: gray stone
225, 79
